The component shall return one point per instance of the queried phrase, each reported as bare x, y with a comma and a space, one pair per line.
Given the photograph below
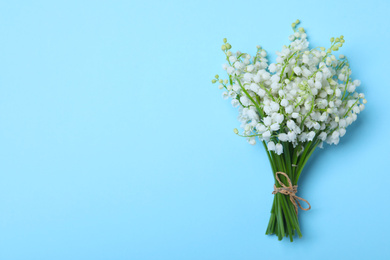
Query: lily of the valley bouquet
292, 107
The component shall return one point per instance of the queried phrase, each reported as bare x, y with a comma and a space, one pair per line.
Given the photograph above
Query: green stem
251, 99
284, 220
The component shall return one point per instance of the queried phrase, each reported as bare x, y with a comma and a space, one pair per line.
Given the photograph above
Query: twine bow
290, 190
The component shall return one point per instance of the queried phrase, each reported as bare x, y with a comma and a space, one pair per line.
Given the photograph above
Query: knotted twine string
290, 190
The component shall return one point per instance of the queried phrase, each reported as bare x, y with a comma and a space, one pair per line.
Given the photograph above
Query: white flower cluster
306, 96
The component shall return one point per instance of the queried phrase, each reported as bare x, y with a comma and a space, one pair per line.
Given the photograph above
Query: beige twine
290, 190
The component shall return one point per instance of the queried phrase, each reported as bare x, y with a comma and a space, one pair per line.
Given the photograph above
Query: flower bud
217, 76
235, 130
213, 81
224, 40
223, 47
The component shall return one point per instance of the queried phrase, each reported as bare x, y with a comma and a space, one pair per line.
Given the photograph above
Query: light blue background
115, 145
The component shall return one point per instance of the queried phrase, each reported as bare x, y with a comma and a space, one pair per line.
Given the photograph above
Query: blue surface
115, 145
